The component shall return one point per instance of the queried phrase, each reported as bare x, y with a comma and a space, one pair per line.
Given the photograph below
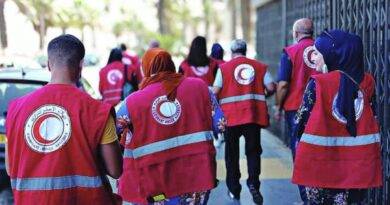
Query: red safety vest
171, 150
53, 138
242, 96
303, 67
206, 73
111, 82
327, 156
134, 62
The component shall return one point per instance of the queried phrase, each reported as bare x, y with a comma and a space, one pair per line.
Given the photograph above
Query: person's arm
217, 86
219, 121
284, 76
303, 113
110, 151
269, 84
123, 119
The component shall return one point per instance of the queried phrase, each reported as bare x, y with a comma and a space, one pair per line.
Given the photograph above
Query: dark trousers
251, 133
4, 180
289, 118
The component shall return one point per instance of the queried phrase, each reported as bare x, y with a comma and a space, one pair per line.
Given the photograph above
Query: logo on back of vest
47, 129
127, 61
200, 70
244, 74
114, 76
308, 57
359, 103
164, 111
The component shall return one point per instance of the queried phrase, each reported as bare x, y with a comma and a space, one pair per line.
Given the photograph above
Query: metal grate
368, 18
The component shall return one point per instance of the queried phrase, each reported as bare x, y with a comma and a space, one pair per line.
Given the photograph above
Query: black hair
198, 52
217, 51
115, 55
123, 47
66, 51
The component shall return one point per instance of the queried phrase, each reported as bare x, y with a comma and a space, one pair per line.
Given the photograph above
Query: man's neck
236, 55
303, 38
61, 78
63, 82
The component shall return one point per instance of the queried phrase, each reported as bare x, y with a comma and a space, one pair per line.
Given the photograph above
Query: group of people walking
159, 144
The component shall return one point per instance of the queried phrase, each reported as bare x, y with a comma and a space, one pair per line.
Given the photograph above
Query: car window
10, 91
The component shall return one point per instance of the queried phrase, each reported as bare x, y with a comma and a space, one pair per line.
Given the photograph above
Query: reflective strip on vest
242, 98
127, 203
112, 98
341, 141
52, 183
112, 91
168, 144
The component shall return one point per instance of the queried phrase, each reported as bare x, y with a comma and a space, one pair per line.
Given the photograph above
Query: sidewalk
276, 170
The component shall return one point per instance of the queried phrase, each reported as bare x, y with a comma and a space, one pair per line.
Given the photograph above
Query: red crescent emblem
240, 74
36, 127
159, 108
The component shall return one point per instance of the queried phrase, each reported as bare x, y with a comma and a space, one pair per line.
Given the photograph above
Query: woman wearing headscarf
113, 78
198, 64
338, 157
169, 157
217, 53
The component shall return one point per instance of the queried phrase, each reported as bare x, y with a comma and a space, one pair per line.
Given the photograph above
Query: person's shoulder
82, 95
193, 80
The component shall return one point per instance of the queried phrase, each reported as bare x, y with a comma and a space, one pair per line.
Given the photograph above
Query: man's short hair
65, 51
238, 46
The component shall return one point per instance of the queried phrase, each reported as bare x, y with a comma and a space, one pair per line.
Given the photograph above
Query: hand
123, 122
278, 114
222, 124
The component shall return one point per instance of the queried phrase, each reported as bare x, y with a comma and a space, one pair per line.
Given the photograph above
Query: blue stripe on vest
52, 183
341, 141
127, 203
168, 144
242, 98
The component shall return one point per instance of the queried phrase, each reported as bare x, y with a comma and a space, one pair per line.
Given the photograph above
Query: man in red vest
61, 142
242, 85
296, 67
